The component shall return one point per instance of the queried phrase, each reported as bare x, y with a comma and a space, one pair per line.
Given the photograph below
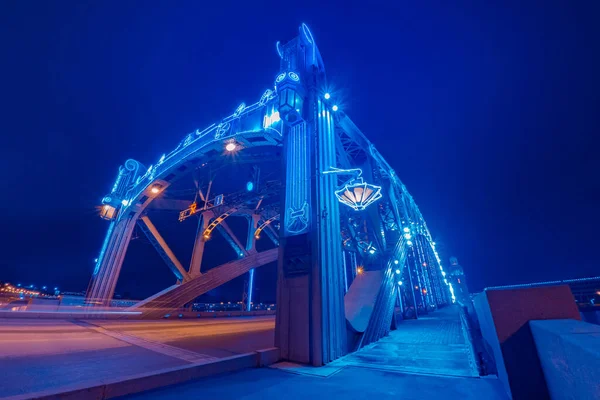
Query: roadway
45, 354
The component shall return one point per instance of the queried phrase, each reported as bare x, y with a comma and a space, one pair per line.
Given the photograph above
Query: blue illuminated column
250, 246
310, 325
112, 253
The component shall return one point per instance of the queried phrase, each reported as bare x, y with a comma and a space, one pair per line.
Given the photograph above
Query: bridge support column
163, 249
310, 325
250, 246
198, 252
110, 260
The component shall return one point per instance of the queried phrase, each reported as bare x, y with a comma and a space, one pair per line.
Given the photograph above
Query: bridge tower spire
310, 323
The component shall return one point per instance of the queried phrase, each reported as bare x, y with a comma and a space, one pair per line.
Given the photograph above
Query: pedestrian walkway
434, 344
428, 358
349, 383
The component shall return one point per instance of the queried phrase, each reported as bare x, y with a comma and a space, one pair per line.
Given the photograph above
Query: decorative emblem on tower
355, 193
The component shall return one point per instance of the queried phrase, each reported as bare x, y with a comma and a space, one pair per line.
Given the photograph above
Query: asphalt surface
41, 354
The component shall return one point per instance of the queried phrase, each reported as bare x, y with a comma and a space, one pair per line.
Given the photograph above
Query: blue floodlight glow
125, 202
407, 236
408, 242
294, 76
55, 288
372, 251
335, 107
399, 283
250, 186
443, 273
406, 230
327, 96
95, 260
396, 262
44, 287
398, 272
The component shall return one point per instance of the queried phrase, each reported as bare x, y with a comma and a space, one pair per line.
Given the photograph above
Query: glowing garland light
356, 193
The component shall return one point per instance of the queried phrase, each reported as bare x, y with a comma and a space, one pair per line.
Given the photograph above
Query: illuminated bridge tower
311, 324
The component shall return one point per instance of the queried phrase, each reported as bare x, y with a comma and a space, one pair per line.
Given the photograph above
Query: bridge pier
310, 324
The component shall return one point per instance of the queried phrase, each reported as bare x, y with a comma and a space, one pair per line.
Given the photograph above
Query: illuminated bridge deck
434, 344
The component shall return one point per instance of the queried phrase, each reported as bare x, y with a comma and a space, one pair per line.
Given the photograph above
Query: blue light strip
297, 206
547, 283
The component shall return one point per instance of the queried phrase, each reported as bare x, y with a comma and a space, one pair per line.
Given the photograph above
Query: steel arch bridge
349, 240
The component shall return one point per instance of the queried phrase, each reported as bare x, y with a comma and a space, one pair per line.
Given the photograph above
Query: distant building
456, 276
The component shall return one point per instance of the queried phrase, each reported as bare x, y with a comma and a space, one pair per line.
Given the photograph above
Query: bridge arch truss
388, 236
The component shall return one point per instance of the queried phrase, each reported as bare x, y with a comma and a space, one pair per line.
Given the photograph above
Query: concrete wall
503, 317
569, 353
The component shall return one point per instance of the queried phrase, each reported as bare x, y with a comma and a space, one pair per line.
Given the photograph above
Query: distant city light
44, 287
55, 288
230, 146
327, 96
335, 108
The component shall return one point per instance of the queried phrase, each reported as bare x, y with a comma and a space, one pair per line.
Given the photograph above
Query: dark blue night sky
488, 111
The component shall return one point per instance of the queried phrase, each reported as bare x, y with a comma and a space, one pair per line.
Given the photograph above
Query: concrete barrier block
503, 316
268, 356
569, 353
